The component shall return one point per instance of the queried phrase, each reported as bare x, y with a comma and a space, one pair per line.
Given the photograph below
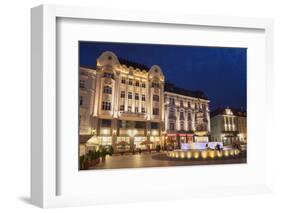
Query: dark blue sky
217, 71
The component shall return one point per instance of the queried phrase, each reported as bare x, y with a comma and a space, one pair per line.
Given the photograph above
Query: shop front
171, 141
184, 138
189, 138
123, 144
155, 141
138, 142
175, 140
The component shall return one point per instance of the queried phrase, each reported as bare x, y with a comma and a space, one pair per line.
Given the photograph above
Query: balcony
133, 114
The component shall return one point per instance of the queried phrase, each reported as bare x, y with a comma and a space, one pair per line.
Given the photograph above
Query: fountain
202, 150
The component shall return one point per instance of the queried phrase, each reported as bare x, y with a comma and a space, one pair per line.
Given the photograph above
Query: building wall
125, 94
229, 127
186, 114
87, 87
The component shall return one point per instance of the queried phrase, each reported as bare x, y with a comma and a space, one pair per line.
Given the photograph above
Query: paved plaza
159, 160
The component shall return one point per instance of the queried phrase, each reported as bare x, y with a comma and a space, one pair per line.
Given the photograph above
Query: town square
131, 115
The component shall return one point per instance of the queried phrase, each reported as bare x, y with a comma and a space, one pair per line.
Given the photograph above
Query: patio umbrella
123, 143
146, 143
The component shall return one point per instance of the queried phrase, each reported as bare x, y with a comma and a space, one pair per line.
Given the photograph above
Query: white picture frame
44, 155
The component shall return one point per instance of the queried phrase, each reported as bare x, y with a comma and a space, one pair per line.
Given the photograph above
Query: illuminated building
187, 117
229, 125
121, 102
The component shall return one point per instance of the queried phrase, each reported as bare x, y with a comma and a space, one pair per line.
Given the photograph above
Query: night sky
217, 71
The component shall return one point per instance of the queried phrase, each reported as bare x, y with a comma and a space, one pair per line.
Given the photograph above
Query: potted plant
110, 151
82, 162
97, 157
103, 155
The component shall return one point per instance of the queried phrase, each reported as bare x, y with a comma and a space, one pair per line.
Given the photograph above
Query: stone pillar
148, 130
114, 126
94, 125
132, 143
116, 96
97, 94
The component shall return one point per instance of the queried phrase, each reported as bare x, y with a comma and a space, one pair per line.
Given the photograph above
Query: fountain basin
202, 154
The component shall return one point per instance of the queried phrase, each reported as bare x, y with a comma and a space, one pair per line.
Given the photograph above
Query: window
143, 85
143, 97
137, 96
106, 105
181, 116
181, 103
172, 126
107, 90
130, 82
172, 101
105, 123
155, 111
122, 95
82, 84
130, 96
107, 75
129, 109
137, 84
122, 107
154, 125
203, 106
142, 110
189, 116
195, 106
155, 85
123, 81
155, 97
182, 125
136, 109
188, 104
122, 124
81, 100
140, 125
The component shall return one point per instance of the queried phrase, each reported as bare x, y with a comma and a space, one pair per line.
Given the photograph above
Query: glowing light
189, 154
204, 154
196, 155
132, 132
219, 154
105, 131
226, 153
236, 152
154, 132
212, 154
231, 152
182, 155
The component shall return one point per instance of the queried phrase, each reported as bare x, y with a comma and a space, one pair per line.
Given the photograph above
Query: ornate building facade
187, 117
125, 104
121, 103
229, 125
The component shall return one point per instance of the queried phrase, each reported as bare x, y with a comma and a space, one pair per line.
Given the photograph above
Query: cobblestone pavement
159, 160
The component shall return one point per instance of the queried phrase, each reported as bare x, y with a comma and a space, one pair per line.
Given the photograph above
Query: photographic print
156, 105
